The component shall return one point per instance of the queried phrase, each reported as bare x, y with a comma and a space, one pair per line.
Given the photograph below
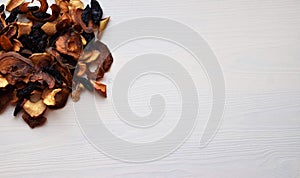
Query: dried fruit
49, 97
34, 109
96, 12
3, 82
34, 122
46, 57
12, 4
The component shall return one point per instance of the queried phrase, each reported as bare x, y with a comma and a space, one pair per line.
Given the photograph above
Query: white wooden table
257, 44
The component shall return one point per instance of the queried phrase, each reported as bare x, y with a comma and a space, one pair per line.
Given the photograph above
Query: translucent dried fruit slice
81, 69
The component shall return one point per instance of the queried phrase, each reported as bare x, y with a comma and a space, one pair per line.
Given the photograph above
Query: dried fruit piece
70, 44
102, 27
100, 88
85, 82
5, 43
10, 31
5, 97
44, 17
76, 92
64, 6
2, 8
34, 109
42, 78
13, 15
25, 92
17, 45
19, 106
35, 96
81, 69
75, 4
49, 97
12, 4
24, 28
97, 11
15, 67
61, 99
49, 28
44, 5
34, 122
3, 82
86, 15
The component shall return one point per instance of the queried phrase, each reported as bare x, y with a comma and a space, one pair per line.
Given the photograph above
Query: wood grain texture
257, 45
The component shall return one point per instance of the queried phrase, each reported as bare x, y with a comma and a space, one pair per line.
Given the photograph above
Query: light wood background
257, 44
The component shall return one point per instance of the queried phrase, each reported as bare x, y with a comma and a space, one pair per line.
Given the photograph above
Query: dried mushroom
50, 56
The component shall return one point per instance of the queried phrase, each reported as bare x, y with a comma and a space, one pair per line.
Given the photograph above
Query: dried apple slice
34, 109
24, 28
3, 82
49, 96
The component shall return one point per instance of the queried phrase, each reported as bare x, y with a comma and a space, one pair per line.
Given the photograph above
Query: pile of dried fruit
46, 57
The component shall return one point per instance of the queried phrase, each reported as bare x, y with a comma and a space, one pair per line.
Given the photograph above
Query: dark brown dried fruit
61, 99
6, 96
2, 8
25, 92
34, 122
86, 15
13, 15
97, 11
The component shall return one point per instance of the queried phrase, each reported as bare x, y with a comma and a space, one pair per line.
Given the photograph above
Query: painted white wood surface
258, 46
